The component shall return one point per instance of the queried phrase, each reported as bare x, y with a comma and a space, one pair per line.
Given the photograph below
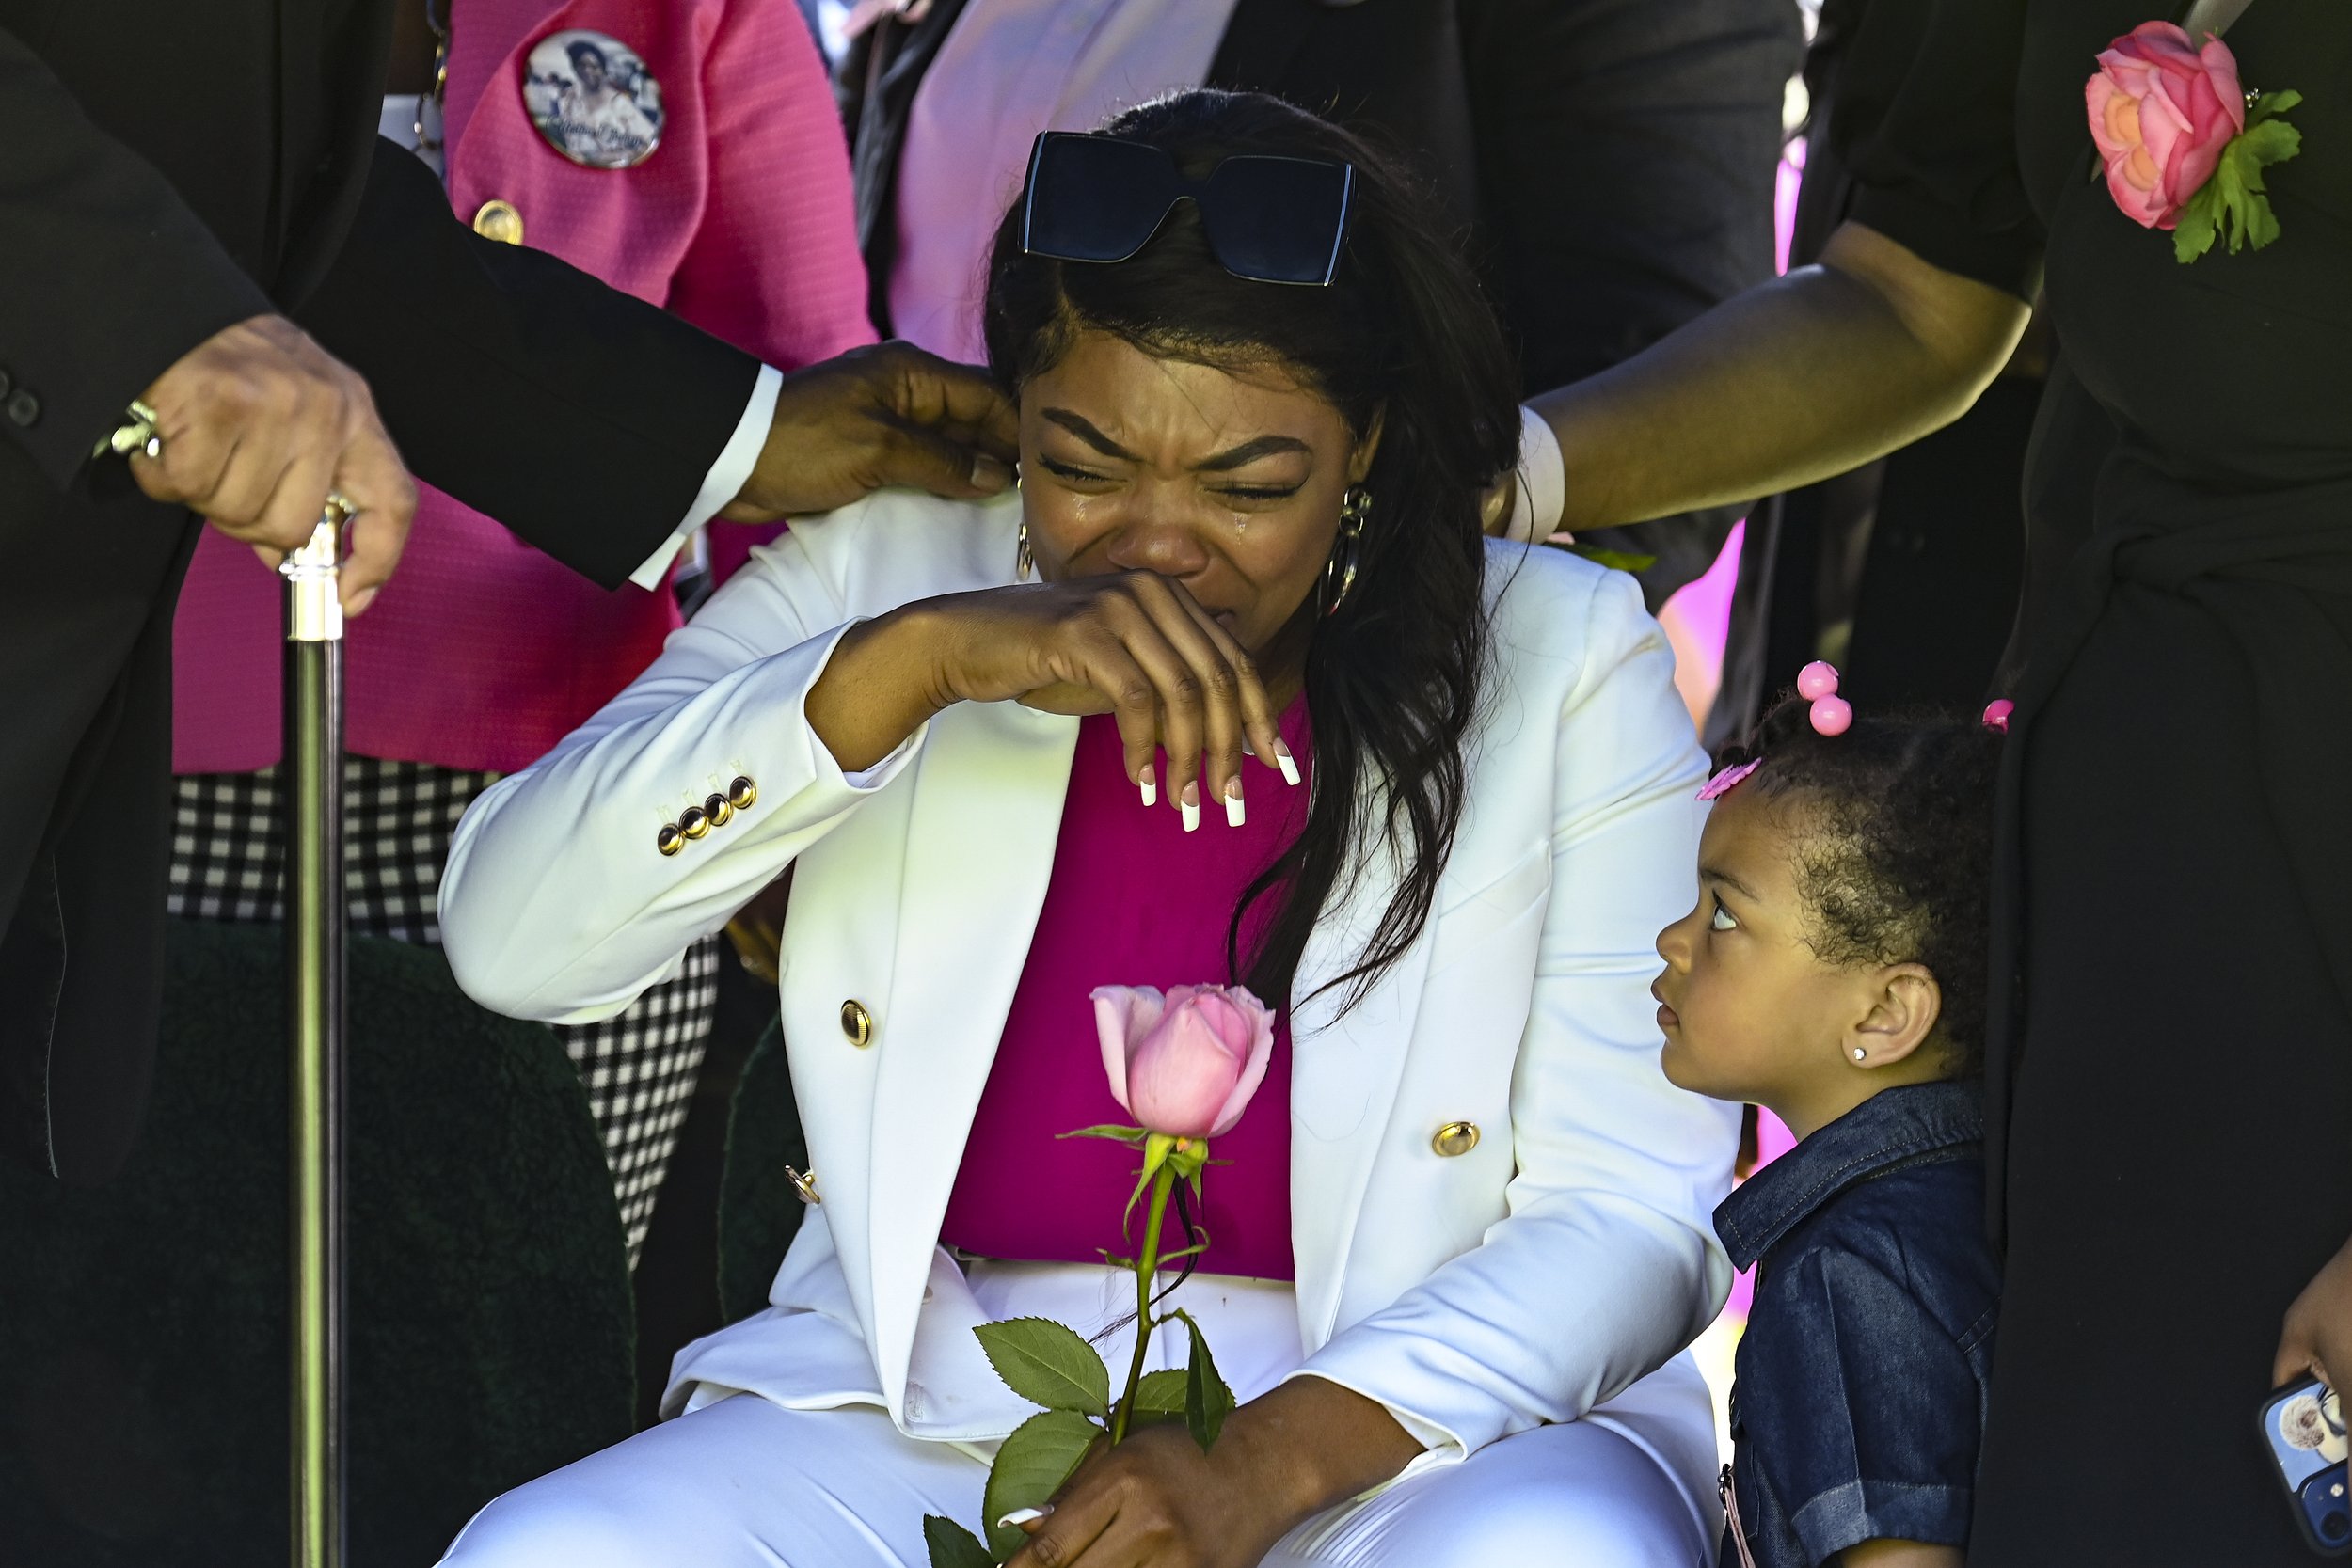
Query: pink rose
1185, 1064
2161, 110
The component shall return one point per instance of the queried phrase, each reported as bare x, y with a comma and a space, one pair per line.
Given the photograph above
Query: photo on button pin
593, 99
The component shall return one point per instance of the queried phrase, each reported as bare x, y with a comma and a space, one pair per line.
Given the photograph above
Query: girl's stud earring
1860, 1054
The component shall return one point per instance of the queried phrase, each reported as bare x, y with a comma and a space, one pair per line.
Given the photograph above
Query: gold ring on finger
340, 507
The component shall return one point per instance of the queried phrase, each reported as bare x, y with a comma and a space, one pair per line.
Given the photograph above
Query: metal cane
313, 780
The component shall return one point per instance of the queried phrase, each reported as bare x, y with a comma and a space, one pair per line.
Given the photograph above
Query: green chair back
143, 1373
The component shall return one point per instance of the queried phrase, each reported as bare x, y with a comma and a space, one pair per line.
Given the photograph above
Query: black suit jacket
1611, 162
166, 169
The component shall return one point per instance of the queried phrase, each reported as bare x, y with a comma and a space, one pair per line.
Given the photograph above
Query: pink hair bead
1996, 714
1816, 680
1832, 715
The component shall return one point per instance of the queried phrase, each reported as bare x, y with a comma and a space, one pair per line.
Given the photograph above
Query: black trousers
2181, 1141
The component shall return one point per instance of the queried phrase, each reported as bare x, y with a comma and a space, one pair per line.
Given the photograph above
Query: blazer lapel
980, 851
1346, 1069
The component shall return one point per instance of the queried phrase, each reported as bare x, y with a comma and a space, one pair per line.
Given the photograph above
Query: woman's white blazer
1475, 1294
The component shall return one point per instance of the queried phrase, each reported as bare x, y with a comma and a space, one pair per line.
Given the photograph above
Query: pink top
1160, 920
482, 653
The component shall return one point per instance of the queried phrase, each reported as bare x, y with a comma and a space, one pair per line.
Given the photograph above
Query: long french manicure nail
1282, 760
1148, 787
1189, 804
1021, 1516
1232, 804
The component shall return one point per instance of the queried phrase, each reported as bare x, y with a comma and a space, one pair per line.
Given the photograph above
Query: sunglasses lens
1094, 198
1280, 220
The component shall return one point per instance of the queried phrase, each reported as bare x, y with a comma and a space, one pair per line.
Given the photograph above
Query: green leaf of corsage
2233, 205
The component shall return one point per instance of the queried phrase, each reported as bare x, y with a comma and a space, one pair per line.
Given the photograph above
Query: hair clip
1817, 683
1729, 778
1996, 714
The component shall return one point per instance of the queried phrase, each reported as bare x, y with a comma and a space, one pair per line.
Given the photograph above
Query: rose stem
1147, 1268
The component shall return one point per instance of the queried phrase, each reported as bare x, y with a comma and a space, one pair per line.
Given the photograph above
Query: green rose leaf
2268, 103
1047, 1364
952, 1546
2198, 222
2232, 204
1133, 1136
1207, 1399
1029, 1469
1161, 1396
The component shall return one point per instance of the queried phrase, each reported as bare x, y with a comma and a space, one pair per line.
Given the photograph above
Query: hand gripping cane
314, 1018
312, 777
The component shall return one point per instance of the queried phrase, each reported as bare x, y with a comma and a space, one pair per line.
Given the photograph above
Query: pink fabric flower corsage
2181, 144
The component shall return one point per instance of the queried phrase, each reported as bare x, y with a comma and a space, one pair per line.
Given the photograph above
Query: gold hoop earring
1024, 564
1338, 573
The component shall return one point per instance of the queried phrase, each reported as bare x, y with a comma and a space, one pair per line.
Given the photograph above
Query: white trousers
743, 1483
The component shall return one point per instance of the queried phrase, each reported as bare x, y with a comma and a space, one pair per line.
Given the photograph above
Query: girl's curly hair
1894, 846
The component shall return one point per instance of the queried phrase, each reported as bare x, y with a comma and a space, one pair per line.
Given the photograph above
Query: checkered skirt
228, 862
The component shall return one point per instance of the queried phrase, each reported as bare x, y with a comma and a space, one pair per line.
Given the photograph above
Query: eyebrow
1717, 873
1223, 462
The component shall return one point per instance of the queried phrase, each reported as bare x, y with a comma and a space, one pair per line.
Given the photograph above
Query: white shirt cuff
736, 461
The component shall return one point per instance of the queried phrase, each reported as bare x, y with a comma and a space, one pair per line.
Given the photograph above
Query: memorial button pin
592, 97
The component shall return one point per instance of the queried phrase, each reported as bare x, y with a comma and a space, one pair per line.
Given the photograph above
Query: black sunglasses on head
1093, 198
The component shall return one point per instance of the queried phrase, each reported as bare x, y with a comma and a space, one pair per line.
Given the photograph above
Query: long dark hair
1402, 334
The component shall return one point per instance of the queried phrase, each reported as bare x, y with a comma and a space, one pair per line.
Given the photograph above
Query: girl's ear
1901, 1017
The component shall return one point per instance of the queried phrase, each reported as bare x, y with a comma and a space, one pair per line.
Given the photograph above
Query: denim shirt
1860, 1398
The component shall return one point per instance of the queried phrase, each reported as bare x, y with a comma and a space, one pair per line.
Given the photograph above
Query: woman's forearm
877, 690
1794, 381
1311, 1443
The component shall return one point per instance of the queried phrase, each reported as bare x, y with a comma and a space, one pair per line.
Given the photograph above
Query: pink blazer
482, 653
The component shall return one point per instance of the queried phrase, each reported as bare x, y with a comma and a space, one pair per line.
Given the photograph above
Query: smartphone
2302, 1427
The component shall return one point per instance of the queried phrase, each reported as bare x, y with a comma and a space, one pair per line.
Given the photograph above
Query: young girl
1834, 972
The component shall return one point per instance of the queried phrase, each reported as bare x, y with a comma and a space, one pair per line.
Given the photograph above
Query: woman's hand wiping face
1181, 516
